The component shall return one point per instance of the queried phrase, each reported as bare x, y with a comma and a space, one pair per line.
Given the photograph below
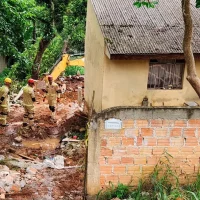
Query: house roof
132, 31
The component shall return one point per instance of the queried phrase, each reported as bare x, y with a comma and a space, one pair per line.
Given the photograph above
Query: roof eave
107, 52
148, 56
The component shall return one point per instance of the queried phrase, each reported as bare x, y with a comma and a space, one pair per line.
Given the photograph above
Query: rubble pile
10, 181
73, 149
47, 162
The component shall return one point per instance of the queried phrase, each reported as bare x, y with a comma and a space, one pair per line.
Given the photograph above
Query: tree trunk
187, 47
37, 61
34, 32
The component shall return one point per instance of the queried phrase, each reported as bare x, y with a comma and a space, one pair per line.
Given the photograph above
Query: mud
44, 142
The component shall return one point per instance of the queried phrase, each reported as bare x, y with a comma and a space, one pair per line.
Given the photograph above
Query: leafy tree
74, 24
30, 33
51, 21
192, 76
51, 54
15, 29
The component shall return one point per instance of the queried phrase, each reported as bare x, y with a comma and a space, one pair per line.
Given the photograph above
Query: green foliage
193, 190
59, 13
3, 75
74, 24
148, 4
20, 71
72, 70
162, 178
51, 54
24, 23
121, 191
138, 193
14, 26
198, 3
151, 4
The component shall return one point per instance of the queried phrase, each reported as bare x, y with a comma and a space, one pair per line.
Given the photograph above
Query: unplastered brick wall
131, 152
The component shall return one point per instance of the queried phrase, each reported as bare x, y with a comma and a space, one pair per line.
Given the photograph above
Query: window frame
165, 62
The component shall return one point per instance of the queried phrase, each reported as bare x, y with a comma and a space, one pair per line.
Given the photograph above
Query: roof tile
131, 30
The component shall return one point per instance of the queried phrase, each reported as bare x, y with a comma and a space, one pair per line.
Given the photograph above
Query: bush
72, 70
121, 191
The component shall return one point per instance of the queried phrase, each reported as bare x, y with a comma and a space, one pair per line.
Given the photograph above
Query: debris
57, 162
75, 137
18, 139
15, 188
62, 145
70, 140
2, 196
83, 116
191, 104
2, 157
70, 89
70, 167
56, 176
48, 163
31, 170
21, 155
82, 129
16, 144
22, 183
4, 171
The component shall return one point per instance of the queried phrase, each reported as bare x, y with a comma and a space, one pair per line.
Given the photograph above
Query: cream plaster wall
122, 82
125, 84
94, 59
94, 64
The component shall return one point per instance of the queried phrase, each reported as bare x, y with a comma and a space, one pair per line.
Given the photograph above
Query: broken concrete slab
18, 139
31, 170
70, 140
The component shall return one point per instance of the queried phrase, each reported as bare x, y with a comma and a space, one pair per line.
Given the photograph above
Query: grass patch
162, 184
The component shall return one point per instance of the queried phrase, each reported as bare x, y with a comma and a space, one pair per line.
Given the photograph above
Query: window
166, 74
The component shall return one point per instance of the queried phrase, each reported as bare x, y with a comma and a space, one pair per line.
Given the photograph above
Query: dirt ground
44, 142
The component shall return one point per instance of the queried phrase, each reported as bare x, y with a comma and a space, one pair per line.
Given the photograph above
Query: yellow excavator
61, 64
65, 62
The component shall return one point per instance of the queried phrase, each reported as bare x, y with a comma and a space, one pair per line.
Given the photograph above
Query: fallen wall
132, 151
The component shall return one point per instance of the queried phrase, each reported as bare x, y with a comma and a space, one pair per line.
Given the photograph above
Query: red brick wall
133, 151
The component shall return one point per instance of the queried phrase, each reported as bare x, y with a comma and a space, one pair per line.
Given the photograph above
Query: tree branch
187, 47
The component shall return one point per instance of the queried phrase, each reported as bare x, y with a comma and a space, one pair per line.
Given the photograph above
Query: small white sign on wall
113, 124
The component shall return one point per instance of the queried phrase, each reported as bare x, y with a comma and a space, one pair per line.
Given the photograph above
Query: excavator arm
57, 69
64, 63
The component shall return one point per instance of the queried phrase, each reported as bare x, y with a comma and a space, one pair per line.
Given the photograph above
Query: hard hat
50, 77
30, 80
8, 80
